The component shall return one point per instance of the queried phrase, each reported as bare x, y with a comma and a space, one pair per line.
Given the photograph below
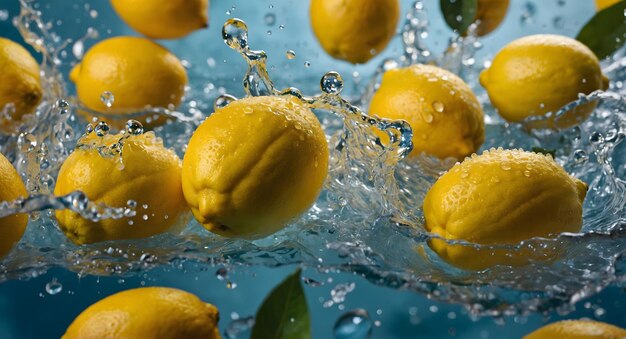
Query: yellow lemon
163, 19
354, 30
602, 4
254, 165
11, 188
578, 329
501, 197
148, 174
147, 312
136, 71
537, 74
19, 84
490, 13
445, 115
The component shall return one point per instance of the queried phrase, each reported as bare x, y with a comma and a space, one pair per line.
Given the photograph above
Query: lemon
445, 116
11, 188
136, 71
602, 4
149, 174
490, 13
354, 30
19, 84
147, 312
537, 74
163, 19
254, 165
501, 197
578, 329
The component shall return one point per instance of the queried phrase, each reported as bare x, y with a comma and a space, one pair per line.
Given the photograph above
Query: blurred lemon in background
578, 329
169, 19
147, 312
445, 116
501, 197
490, 13
537, 74
20, 87
354, 30
602, 4
150, 176
254, 165
135, 74
11, 188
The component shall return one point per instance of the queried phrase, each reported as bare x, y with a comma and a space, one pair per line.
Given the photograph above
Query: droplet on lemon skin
491, 13
150, 176
354, 30
445, 115
578, 329
255, 165
137, 72
147, 312
20, 86
170, 19
602, 4
537, 74
11, 188
502, 197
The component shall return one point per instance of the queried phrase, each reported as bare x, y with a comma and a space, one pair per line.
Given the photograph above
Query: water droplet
290, 54
307, 64
101, 129
223, 100
54, 287
221, 273
281, 27
355, 324
4, 15
270, 19
596, 138
332, 83
438, 106
248, 110
107, 98
580, 156
235, 34
428, 118
78, 49
505, 166
238, 327
134, 127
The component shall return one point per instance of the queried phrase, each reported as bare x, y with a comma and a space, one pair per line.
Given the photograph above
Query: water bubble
4, 15
270, 19
238, 327
307, 64
596, 138
281, 27
101, 129
235, 34
221, 273
355, 324
54, 287
107, 98
290, 54
332, 83
389, 64
134, 127
223, 100
438, 106
580, 156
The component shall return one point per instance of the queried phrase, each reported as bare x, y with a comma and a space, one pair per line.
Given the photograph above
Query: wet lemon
133, 74
578, 329
254, 165
602, 4
538, 74
148, 174
354, 30
11, 188
445, 116
490, 13
501, 197
20, 88
163, 19
147, 312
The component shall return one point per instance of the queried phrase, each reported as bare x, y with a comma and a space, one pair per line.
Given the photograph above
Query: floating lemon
11, 188
445, 116
148, 312
501, 197
578, 329
149, 175
490, 13
20, 88
538, 74
254, 165
125, 75
163, 19
354, 30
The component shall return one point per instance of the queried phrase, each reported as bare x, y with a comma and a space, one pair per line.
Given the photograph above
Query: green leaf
605, 33
284, 313
453, 10
545, 151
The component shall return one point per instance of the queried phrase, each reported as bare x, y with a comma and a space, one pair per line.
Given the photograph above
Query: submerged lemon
149, 175
136, 72
354, 30
254, 165
501, 197
11, 188
147, 312
445, 116
20, 88
602, 4
538, 74
578, 329
163, 19
490, 13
